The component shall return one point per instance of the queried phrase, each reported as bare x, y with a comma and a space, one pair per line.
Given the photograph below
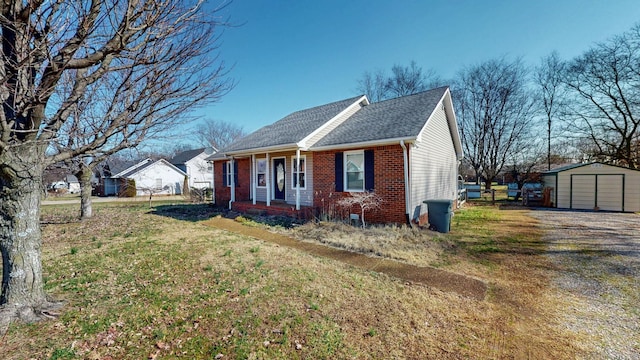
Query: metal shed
594, 186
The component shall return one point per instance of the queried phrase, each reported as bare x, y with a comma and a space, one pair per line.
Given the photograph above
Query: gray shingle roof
390, 119
137, 169
185, 156
292, 128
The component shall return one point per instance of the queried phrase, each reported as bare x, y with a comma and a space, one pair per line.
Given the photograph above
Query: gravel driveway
596, 257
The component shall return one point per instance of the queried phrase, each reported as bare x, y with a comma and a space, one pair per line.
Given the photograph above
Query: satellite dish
209, 151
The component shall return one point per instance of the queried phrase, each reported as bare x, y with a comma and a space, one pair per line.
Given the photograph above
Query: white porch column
298, 179
268, 176
253, 178
233, 182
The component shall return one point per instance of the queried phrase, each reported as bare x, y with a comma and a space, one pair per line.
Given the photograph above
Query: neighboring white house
70, 183
594, 186
158, 177
195, 165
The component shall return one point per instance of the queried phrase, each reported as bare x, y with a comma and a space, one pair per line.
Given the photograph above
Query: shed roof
575, 166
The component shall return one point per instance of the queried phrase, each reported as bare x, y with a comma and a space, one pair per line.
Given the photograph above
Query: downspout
298, 179
407, 187
233, 183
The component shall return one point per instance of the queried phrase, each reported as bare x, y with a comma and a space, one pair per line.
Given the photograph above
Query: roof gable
147, 163
399, 118
291, 129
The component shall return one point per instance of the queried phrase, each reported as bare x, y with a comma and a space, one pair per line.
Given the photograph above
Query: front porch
276, 208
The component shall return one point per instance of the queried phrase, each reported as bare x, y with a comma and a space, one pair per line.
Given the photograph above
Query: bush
129, 188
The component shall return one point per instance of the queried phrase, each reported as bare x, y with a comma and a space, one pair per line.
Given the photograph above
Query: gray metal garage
594, 186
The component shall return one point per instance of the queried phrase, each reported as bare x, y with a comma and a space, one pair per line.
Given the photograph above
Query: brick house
406, 150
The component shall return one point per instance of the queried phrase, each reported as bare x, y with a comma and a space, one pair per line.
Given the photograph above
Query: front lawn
140, 284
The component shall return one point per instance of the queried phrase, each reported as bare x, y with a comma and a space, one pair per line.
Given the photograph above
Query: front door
278, 178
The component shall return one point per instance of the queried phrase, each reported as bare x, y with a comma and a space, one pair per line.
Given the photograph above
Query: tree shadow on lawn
188, 212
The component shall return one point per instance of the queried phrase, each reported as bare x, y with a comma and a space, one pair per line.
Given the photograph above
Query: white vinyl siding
159, 178
337, 121
433, 164
200, 172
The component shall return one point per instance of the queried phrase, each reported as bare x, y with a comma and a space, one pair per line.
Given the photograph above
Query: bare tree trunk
487, 183
23, 293
86, 206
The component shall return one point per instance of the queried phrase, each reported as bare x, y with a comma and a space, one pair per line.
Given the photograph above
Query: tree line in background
515, 117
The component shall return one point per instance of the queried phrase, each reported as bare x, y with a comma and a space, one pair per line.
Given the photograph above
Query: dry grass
414, 246
143, 285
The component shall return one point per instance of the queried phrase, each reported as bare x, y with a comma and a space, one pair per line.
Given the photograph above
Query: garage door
605, 192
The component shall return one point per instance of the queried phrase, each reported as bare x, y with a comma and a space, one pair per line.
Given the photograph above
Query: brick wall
243, 186
388, 184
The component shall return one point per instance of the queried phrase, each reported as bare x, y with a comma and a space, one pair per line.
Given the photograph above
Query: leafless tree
407, 80
524, 165
604, 85
219, 134
364, 200
404, 80
548, 77
495, 111
153, 60
373, 84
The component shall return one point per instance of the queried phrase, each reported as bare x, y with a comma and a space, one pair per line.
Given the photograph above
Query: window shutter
339, 172
224, 173
368, 170
235, 173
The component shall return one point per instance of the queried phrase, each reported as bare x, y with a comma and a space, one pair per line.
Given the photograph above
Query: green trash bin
440, 213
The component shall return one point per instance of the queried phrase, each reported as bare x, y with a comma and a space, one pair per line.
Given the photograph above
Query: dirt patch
439, 279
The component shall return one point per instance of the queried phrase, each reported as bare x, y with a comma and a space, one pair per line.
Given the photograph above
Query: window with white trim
229, 173
158, 184
302, 175
261, 173
354, 170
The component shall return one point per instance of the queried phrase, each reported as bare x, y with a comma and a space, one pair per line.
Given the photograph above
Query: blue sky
290, 55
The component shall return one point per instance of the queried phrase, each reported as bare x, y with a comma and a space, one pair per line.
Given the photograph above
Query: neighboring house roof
110, 167
146, 163
398, 118
185, 156
71, 179
292, 128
